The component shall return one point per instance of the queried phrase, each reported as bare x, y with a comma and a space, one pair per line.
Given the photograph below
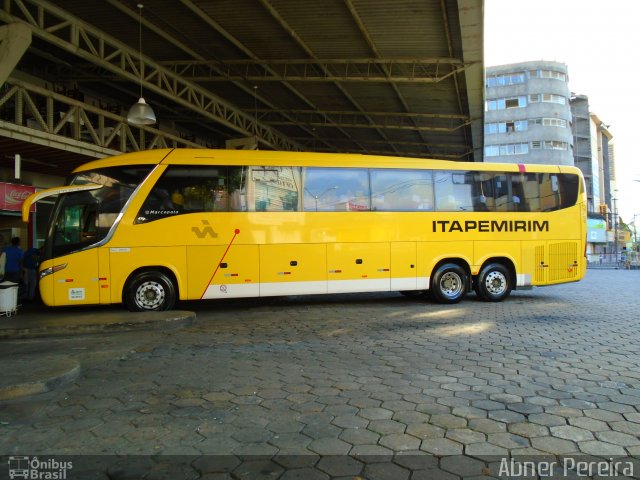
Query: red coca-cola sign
12, 196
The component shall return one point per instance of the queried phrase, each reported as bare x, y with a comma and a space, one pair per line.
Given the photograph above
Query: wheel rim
496, 283
451, 284
150, 295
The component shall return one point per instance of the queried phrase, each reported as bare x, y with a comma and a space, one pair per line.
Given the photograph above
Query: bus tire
494, 283
449, 283
149, 291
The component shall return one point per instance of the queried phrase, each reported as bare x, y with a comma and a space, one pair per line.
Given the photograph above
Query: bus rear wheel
148, 291
449, 283
493, 283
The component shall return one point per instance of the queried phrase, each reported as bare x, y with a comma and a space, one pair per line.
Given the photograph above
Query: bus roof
192, 156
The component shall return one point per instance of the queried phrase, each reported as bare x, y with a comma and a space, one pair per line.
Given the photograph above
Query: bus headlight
48, 271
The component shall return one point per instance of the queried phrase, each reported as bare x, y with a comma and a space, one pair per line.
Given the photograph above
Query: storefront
596, 239
11, 225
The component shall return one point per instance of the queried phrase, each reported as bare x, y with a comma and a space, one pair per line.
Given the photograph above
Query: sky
600, 44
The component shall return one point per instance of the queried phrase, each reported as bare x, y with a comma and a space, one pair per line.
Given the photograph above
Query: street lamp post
615, 230
317, 197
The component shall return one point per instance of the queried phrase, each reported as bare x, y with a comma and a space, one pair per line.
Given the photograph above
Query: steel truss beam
418, 122
59, 28
427, 70
385, 126
48, 118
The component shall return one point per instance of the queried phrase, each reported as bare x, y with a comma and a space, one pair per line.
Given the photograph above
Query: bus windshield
84, 218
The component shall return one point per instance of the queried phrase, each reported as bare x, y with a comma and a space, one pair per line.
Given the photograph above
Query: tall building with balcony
528, 114
594, 156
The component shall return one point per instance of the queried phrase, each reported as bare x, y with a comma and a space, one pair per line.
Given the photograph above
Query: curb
54, 371
85, 324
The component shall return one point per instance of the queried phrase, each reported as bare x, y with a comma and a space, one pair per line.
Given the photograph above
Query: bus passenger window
501, 192
519, 201
453, 193
401, 190
569, 186
336, 190
483, 198
531, 189
237, 185
548, 197
273, 189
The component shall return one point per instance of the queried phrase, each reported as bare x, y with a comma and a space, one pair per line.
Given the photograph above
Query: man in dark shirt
31, 262
13, 265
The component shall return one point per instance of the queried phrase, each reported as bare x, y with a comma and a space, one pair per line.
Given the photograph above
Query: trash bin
8, 298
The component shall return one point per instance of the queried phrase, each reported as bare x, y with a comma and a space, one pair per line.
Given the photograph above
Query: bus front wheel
449, 283
150, 290
493, 283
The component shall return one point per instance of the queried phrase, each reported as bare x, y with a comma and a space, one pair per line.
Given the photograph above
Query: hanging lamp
141, 112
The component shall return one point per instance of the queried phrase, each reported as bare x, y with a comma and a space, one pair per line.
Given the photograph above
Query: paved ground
370, 386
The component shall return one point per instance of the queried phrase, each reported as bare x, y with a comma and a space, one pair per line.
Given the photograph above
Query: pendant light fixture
141, 112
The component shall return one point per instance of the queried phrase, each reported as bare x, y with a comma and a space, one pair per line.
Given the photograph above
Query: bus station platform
34, 321
42, 372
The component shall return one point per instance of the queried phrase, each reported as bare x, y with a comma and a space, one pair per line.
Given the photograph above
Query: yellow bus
151, 228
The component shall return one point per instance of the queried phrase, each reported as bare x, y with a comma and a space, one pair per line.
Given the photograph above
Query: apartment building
528, 114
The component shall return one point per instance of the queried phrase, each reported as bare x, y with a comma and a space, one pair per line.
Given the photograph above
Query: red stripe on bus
235, 234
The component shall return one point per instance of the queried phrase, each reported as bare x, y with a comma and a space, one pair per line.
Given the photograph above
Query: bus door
80, 278
77, 274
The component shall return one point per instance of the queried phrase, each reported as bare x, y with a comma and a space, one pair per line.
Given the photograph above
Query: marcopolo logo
38, 469
205, 231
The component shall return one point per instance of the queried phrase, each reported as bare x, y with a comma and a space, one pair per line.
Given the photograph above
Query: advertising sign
12, 195
596, 231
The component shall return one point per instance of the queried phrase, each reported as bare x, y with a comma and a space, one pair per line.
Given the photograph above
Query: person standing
13, 265
31, 262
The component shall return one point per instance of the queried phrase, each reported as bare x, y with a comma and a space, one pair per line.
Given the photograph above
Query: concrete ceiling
365, 76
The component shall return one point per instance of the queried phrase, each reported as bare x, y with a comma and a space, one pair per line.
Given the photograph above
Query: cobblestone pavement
370, 386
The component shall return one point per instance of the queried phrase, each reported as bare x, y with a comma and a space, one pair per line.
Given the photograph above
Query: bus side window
483, 198
501, 192
336, 189
519, 201
237, 185
401, 190
548, 197
453, 191
569, 187
184, 190
273, 189
531, 189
